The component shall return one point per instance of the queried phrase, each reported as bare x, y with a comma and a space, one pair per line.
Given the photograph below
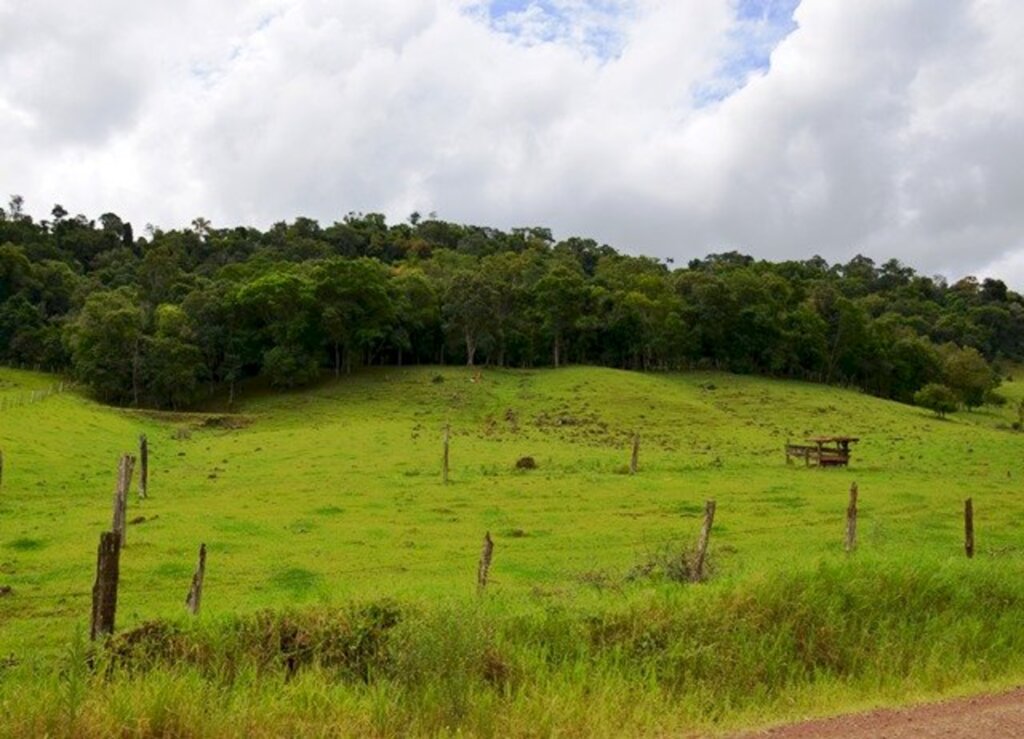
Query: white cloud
892, 127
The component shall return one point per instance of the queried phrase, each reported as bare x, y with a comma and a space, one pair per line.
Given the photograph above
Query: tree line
166, 318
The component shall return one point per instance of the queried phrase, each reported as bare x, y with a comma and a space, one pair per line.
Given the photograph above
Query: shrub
936, 397
997, 399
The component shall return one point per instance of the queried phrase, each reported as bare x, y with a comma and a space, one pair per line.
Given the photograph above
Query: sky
673, 128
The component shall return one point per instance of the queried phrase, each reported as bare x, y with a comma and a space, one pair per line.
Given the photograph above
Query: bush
936, 397
997, 399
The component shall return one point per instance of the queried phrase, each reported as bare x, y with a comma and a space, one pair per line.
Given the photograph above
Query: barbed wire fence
105, 593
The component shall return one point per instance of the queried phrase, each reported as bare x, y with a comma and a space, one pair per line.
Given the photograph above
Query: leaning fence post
124, 483
851, 520
444, 466
143, 466
635, 459
104, 590
969, 527
485, 563
195, 592
702, 543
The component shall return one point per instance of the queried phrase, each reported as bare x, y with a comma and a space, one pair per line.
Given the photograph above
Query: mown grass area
318, 499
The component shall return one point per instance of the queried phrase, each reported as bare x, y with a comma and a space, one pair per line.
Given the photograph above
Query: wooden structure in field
822, 451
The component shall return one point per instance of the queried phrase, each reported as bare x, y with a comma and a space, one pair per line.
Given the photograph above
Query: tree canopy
165, 318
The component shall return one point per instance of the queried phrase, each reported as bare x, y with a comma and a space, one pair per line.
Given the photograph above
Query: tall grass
665, 659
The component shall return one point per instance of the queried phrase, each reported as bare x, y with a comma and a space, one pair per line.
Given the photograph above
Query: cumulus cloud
668, 127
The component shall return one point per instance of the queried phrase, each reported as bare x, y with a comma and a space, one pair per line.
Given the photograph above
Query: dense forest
167, 318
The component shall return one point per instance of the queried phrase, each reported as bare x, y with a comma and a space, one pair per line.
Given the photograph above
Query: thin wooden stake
702, 543
635, 459
195, 592
104, 590
124, 483
851, 520
444, 467
485, 563
143, 466
969, 527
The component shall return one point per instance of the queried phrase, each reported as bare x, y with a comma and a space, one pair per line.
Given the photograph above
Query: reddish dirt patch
968, 718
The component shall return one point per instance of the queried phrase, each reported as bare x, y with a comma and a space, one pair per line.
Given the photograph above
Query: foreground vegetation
664, 661
340, 594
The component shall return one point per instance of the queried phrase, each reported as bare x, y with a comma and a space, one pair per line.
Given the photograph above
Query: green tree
106, 345
172, 365
279, 306
560, 298
967, 373
355, 307
937, 398
468, 300
417, 313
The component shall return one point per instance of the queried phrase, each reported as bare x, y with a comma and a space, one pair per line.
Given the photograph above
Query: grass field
333, 496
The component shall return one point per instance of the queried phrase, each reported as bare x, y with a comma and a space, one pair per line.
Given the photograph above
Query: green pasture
333, 495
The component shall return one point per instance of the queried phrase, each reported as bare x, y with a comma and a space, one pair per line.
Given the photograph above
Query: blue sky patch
761, 25
592, 25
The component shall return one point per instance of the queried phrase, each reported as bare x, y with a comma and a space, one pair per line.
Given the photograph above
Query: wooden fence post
702, 543
485, 563
104, 590
969, 527
124, 483
635, 459
143, 466
195, 592
444, 466
851, 520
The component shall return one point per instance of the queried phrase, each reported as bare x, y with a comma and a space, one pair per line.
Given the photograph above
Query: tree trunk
337, 360
470, 348
557, 348
135, 374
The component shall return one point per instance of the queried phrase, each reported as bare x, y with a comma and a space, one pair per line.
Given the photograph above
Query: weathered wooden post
485, 563
702, 543
635, 459
143, 466
195, 592
104, 590
124, 483
444, 466
969, 527
851, 520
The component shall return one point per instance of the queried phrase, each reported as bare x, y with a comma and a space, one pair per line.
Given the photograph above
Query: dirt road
984, 717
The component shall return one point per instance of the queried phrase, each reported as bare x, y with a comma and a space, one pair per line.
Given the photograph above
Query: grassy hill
333, 495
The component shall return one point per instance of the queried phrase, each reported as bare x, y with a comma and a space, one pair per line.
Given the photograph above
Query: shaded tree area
167, 318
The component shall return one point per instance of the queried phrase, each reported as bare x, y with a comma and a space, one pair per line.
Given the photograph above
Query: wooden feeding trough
822, 451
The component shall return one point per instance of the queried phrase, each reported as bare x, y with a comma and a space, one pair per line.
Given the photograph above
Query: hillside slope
334, 493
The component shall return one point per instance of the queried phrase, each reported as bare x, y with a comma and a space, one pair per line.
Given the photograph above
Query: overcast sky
667, 127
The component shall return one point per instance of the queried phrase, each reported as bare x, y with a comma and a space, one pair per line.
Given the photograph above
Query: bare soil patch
1000, 715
